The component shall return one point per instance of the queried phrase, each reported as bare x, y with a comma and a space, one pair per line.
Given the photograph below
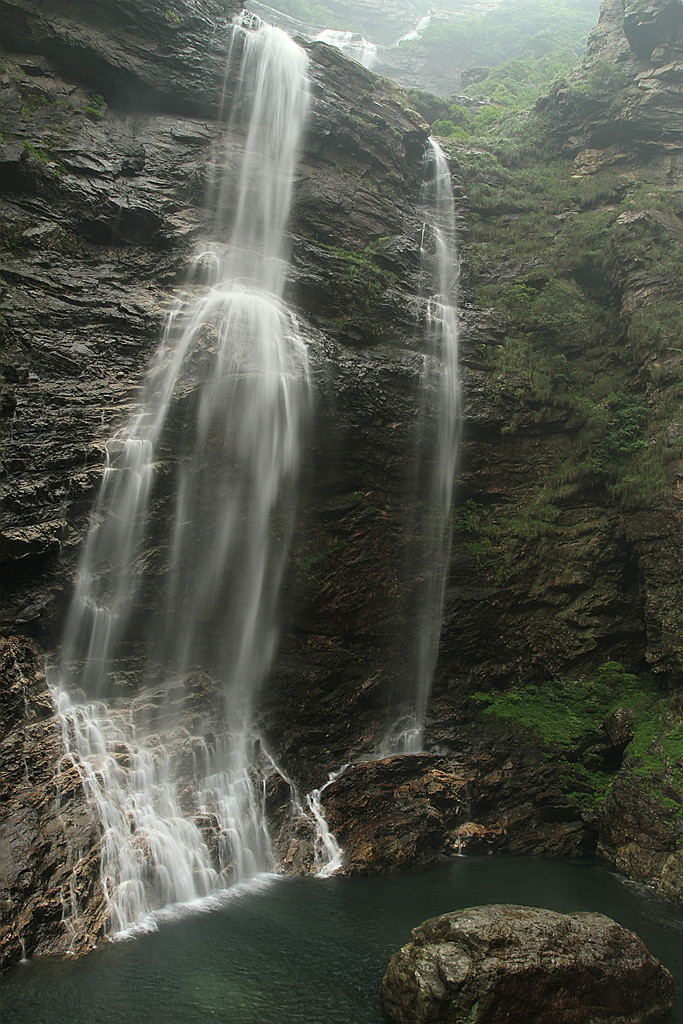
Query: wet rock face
639, 839
395, 812
495, 964
411, 809
140, 53
649, 24
101, 208
105, 141
49, 842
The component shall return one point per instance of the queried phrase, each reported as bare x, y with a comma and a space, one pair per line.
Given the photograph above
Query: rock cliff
570, 517
105, 140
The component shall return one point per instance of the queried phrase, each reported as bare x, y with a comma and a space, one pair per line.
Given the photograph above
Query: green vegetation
613, 375
33, 103
44, 157
517, 28
36, 153
316, 14
358, 280
95, 107
561, 713
498, 537
511, 88
173, 16
566, 717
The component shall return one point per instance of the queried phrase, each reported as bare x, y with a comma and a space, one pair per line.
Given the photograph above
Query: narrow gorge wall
568, 531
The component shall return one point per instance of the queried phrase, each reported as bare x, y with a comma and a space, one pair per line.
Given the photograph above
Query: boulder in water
523, 965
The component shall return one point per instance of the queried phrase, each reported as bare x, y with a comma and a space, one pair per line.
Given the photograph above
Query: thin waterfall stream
179, 579
439, 426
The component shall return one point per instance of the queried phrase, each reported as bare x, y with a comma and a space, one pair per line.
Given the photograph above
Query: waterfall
418, 31
438, 441
328, 854
351, 44
178, 583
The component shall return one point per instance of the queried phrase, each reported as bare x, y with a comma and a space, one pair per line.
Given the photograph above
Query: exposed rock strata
102, 204
491, 964
418, 809
638, 839
49, 842
604, 579
148, 55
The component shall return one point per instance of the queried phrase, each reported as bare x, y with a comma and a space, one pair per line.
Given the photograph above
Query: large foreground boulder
520, 965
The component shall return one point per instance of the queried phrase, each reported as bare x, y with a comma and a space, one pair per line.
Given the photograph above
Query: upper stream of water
310, 951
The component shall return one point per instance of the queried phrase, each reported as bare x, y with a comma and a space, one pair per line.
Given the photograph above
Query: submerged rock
486, 965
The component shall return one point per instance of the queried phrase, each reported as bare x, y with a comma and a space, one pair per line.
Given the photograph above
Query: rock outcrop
142, 56
399, 811
639, 837
491, 964
565, 559
49, 840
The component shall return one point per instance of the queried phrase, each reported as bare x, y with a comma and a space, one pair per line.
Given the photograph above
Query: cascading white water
328, 854
438, 441
418, 31
351, 44
181, 570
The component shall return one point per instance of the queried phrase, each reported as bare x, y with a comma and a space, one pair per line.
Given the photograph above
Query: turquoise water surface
309, 951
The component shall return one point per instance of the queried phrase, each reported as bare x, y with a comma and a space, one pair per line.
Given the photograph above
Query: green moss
34, 103
173, 16
563, 713
359, 282
42, 155
95, 107
499, 537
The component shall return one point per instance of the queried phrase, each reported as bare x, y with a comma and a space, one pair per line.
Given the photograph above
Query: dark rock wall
49, 842
605, 585
102, 204
107, 127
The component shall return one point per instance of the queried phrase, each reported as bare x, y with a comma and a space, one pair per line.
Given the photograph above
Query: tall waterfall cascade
438, 441
179, 578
